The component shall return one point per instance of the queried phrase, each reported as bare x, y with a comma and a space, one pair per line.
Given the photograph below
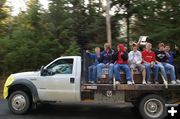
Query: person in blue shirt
161, 60
106, 61
170, 59
92, 69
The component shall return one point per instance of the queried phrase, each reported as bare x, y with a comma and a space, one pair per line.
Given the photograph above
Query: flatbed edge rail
126, 87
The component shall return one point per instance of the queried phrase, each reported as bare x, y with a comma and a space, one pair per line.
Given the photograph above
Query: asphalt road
86, 111
72, 112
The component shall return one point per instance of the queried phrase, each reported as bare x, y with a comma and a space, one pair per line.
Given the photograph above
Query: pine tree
4, 19
73, 50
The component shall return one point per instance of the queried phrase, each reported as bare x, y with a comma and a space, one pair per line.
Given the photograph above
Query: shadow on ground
90, 111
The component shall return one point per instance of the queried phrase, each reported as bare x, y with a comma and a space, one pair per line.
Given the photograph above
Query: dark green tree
3, 18
73, 50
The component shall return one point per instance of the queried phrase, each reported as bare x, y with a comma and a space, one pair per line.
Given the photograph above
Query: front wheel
19, 102
152, 107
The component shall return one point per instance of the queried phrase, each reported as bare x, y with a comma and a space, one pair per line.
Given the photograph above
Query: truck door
59, 83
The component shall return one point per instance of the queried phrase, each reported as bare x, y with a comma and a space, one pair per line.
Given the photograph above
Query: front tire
19, 102
152, 107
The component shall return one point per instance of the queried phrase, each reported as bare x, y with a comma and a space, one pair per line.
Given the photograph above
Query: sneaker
156, 82
129, 82
144, 83
117, 82
149, 82
178, 81
173, 82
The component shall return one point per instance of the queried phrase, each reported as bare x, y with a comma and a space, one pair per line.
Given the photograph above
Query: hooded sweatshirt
121, 57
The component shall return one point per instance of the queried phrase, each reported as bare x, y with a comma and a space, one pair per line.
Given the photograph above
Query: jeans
92, 72
99, 70
148, 71
125, 68
167, 67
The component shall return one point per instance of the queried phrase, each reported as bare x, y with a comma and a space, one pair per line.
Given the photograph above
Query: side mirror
42, 67
45, 72
42, 71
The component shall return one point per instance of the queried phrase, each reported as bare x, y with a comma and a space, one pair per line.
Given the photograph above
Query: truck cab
63, 80
57, 81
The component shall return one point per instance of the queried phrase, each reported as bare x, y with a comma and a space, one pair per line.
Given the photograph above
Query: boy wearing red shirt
149, 59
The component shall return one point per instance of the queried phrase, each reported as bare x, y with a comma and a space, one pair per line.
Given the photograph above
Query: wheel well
141, 96
20, 87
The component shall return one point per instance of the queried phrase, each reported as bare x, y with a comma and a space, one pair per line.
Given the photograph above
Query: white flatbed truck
63, 81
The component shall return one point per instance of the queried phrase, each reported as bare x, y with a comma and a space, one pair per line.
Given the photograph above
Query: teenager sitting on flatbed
92, 69
121, 63
171, 55
105, 61
135, 60
161, 58
149, 60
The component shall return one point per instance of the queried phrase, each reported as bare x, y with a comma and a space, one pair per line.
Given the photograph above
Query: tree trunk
108, 23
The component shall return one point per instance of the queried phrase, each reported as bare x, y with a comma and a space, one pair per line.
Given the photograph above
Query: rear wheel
152, 107
19, 102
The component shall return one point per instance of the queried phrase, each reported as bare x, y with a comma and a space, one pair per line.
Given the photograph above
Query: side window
62, 66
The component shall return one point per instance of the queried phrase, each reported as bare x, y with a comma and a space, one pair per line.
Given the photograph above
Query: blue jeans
167, 67
92, 73
125, 68
99, 70
148, 71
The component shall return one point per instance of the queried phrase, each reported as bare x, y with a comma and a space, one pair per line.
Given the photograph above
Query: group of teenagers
146, 62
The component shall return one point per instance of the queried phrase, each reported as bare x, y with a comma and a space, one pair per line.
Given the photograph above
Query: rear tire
19, 102
152, 107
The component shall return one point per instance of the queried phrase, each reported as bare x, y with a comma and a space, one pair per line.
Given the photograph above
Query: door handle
72, 80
